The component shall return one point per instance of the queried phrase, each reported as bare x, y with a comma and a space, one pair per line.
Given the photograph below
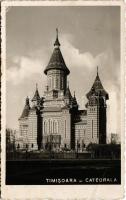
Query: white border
69, 191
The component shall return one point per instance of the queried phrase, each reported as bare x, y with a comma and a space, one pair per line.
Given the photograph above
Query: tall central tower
56, 72
58, 102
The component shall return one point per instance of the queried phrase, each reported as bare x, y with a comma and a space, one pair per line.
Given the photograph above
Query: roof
97, 88
36, 96
26, 109
74, 100
52, 109
83, 122
56, 60
68, 93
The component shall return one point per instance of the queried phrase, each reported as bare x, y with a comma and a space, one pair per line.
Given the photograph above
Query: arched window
56, 82
65, 128
46, 127
47, 130
62, 82
53, 126
49, 126
56, 127
53, 84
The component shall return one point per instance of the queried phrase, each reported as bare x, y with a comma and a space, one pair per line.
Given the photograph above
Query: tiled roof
26, 109
56, 60
97, 88
83, 122
68, 93
36, 96
52, 109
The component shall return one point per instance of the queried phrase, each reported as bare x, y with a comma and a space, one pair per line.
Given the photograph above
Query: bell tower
56, 72
96, 112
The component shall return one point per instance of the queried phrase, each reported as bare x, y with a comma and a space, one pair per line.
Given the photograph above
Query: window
61, 82
53, 127
49, 126
50, 82
92, 128
56, 82
65, 128
32, 145
55, 94
44, 127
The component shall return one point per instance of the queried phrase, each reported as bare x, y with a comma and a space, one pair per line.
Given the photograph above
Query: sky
89, 37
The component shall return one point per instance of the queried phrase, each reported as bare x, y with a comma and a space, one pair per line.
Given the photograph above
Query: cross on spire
57, 44
57, 32
97, 70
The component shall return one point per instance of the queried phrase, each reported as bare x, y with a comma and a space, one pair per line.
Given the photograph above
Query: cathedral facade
54, 121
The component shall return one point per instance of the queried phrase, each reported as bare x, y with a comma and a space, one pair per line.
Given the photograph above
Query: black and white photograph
63, 95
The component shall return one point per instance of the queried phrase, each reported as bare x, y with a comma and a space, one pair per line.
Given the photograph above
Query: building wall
92, 125
51, 125
56, 80
57, 123
66, 128
32, 130
102, 124
80, 135
23, 130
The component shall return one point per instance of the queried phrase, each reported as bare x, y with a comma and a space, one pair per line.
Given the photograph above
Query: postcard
62, 100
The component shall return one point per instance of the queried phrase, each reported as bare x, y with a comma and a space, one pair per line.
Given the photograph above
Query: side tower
34, 123
23, 122
96, 113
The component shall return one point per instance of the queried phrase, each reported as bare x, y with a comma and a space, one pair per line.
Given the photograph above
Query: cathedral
54, 121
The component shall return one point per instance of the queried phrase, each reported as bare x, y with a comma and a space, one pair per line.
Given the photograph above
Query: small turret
97, 89
36, 99
74, 101
26, 109
68, 93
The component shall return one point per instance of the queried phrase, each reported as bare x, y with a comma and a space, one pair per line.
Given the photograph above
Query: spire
36, 95
97, 88
26, 109
57, 61
27, 101
68, 93
97, 70
74, 94
57, 44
